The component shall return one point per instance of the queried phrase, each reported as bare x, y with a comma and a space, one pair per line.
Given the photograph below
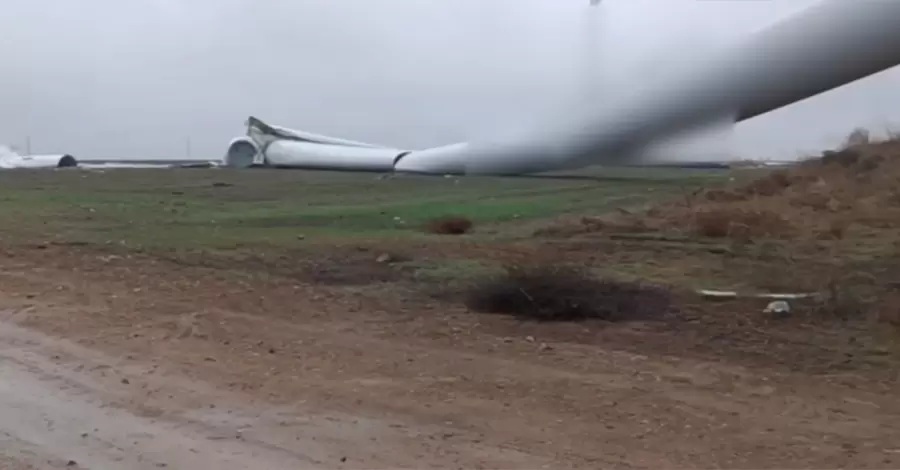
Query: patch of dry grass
815, 200
846, 193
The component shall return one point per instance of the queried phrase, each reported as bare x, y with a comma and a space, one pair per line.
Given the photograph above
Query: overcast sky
137, 78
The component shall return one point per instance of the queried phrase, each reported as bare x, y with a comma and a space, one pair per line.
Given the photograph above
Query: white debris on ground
778, 307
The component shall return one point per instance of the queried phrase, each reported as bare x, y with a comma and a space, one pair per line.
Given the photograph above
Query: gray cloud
107, 78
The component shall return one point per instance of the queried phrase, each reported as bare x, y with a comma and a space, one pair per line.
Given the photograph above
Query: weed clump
449, 225
554, 293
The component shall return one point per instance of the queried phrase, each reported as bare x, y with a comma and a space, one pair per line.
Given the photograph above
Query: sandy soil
127, 363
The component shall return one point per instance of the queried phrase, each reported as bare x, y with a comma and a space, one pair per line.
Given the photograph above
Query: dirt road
53, 414
111, 364
56, 413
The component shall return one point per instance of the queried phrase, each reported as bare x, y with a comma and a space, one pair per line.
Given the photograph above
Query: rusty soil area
210, 319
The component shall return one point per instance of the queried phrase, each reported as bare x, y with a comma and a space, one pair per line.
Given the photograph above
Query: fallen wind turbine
828, 45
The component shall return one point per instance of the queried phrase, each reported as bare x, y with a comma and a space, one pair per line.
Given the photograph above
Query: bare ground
136, 362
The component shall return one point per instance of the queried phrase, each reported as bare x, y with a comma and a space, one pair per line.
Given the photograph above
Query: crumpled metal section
280, 147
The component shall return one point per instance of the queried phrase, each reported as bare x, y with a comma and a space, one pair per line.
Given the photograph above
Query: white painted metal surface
828, 45
309, 155
437, 160
243, 152
10, 159
280, 147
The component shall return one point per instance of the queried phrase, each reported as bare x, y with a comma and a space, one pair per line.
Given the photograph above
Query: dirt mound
565, 293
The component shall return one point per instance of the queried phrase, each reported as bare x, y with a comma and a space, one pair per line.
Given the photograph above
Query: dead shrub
845, 158
838, 228
551, 293
842, 301
888, 312
722, 195
813, 200
772, 184
449, 225
893, 195
711, 223
871, 163
736, 222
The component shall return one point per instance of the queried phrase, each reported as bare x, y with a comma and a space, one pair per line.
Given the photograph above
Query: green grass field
224, 208
283, 219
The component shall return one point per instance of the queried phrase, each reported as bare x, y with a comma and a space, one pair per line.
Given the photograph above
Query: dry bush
564, 293
449, 225
842, 301
738, 222
773, 184
817, 201
712, 224
845, 158
837, 229
871, 163
722, 195
888, 311
770, 185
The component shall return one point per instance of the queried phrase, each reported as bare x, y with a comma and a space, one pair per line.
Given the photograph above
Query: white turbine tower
591, 57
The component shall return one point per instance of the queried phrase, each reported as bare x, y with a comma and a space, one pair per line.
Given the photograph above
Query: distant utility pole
187, 147
28, 145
